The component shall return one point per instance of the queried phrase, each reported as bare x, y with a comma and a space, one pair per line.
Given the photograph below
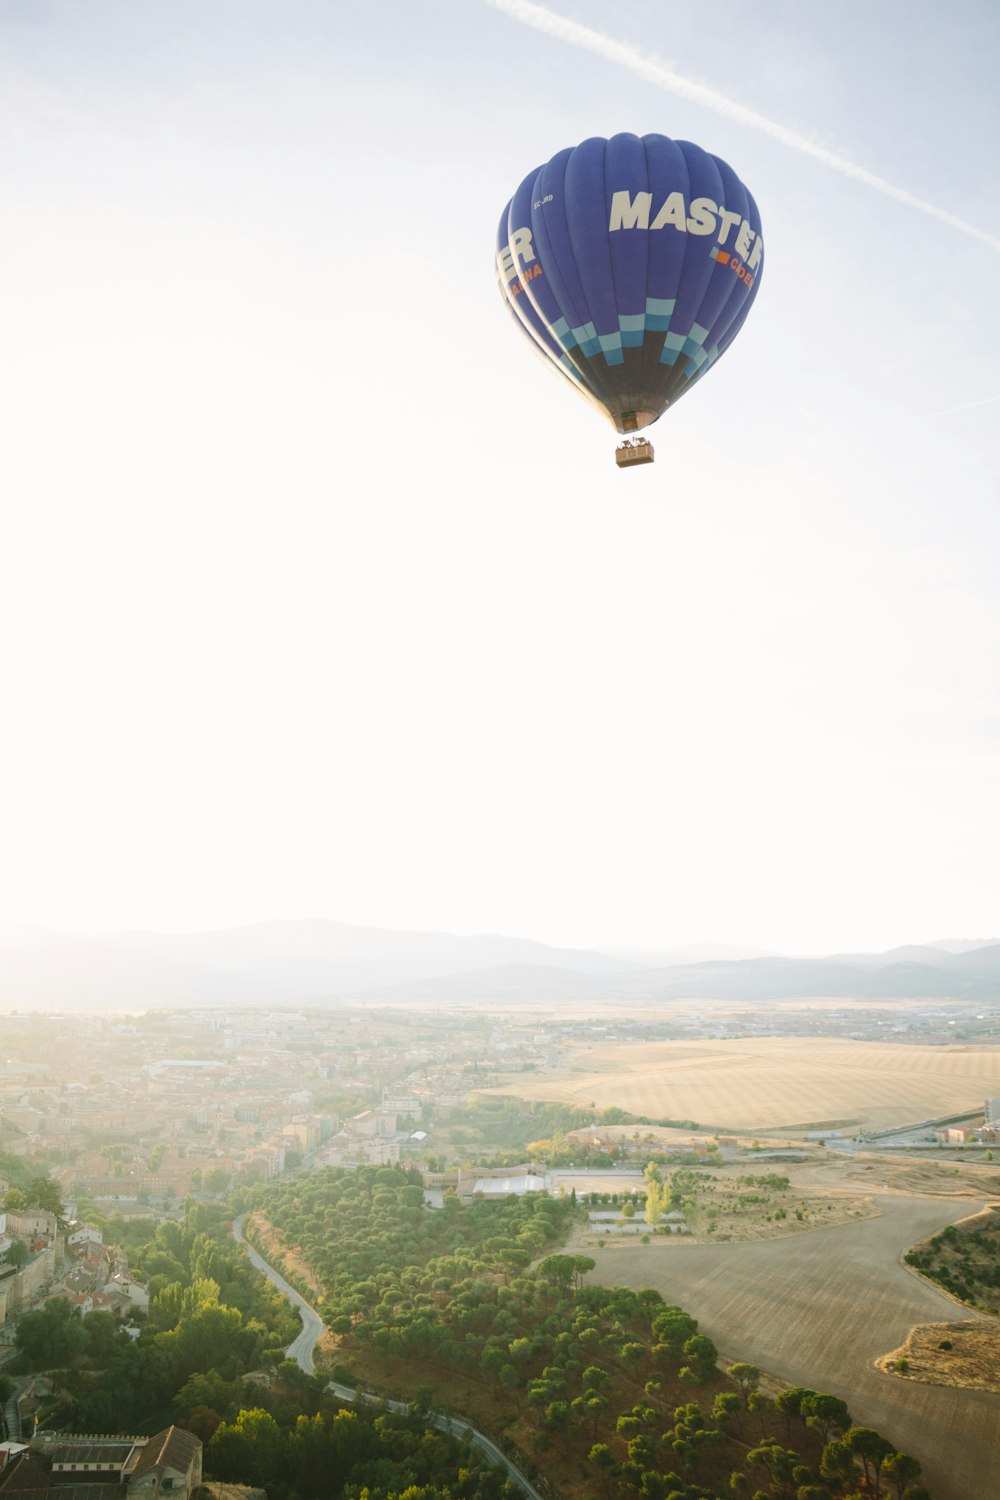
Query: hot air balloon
631, 265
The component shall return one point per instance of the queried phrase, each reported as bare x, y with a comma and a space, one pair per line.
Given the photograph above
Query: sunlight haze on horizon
320, 597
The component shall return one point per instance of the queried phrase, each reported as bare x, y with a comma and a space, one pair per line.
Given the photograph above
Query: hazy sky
319, 596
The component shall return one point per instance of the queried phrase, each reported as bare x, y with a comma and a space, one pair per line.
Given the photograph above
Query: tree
900, 1469
745, 1377
789, 1403
203, 1421
103, 1334
760, 1403
672, 1327
825, 1413
657, 1199
726, 1408
596, 1379
702, 1354
247, 1451
43, 1193
603, 1459
581, 1265
837, 1461
558, 1269
51, 1336
779, 1462
492, 1359
557, 1416
872, 1449
207, 1391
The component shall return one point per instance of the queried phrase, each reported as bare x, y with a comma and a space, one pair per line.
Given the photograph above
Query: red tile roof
173, 1448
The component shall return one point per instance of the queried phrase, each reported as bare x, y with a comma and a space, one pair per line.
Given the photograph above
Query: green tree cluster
210, 1314
599, 1376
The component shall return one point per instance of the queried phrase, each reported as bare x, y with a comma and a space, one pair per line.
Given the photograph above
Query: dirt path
277, 1250
818, 1309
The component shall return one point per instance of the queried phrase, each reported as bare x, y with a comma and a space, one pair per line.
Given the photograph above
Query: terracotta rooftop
174, 1448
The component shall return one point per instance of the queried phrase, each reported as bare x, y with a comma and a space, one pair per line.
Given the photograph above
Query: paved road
301, 1350
454, 1426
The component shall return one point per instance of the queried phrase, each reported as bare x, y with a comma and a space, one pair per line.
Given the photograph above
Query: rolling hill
314, 962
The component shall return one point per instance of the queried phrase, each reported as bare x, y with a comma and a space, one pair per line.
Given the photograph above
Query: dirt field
818, 1309
773, 1083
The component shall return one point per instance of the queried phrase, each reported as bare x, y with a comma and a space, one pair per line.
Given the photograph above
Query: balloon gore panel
631, 265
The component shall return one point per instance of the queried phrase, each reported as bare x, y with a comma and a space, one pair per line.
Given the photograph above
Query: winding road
301, 1350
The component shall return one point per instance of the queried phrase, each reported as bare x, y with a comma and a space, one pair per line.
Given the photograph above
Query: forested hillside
610, 1391
210, 1357
211, 1319
964, 1260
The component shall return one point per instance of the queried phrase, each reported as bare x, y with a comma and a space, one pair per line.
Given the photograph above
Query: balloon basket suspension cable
633, 452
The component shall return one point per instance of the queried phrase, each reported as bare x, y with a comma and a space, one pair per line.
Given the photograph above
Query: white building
504, 1187
83, 1234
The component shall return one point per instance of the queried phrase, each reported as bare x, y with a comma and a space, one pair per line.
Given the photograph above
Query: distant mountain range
312, 962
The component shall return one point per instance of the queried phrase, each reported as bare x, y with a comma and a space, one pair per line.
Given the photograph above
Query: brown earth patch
325, 1352
278, 1252
973, 1361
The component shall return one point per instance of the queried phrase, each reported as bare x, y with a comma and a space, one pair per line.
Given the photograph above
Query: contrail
969, 406
550, 23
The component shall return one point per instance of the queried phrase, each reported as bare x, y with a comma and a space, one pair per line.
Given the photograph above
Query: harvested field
819, 1309
928, 1178
773, 1083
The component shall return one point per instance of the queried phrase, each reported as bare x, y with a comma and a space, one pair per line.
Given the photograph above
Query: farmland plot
818, 1309
770, 1083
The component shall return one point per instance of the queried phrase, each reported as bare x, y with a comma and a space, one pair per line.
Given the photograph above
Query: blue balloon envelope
631, 265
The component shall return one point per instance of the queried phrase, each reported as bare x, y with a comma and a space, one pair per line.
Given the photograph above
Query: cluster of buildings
24, 1277
157, 1111
69, 1466
987, 1134
62, 1261
154, 1108
377, 1136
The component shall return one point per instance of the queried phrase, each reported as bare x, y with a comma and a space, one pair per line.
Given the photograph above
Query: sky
321, 597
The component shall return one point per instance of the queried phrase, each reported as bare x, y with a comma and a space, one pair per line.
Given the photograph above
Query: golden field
773, 1083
